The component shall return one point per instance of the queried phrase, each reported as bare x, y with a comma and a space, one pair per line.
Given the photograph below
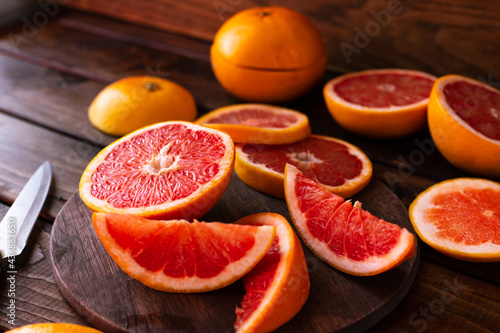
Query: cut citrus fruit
53, 328
182, 256
345, 236
464, 122
460, 218
167, 170
259, 123
337, 165
278, 287
134, 102
382, 103
268, 54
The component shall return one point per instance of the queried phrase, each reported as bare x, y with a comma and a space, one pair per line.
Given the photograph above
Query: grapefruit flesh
344, 235
278, 286
182, 256
481, 113
460, 218
259, 123
384, 90
167, 170
382, 103
335, 164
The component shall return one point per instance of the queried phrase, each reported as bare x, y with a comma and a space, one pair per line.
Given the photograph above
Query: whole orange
268, 54
137, 101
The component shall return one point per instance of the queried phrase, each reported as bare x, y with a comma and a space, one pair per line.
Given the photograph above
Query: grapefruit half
168, 170
343, 235
182, 256
381, 103
464, 121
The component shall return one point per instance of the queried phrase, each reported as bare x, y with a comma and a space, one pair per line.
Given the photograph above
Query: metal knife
17, 224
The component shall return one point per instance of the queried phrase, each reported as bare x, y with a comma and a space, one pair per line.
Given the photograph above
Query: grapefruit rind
289, 290
263, 235
269, 181
193, 206
456, 140
485, 252
242, 133
402, 251
385, 123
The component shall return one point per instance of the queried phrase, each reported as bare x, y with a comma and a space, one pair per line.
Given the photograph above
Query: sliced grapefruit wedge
168, 170
380, 103
460, 218
337, 165
278, 286
182, 256
464, 122
259, 123
343, 235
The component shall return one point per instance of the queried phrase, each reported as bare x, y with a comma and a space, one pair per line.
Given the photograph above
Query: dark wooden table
50, 74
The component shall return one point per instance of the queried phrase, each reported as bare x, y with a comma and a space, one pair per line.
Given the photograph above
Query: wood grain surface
438, 36
112, 301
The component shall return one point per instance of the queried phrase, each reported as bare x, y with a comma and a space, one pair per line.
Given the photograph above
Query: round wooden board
114, 302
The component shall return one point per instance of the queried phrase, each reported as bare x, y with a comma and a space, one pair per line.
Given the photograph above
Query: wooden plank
358, 35
442, 300
25, 146
52, 99
33, 285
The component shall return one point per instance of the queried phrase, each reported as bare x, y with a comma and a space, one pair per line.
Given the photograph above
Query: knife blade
17, 224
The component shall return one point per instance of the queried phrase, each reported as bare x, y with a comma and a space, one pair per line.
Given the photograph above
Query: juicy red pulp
348, 231
326, 161
384, 90
123, 181
257, 282
476, 105
179, 249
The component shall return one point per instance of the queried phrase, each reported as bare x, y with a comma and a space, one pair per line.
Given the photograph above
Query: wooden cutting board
114, 302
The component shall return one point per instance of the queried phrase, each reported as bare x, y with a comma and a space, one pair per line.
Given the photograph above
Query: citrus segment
344, 235
268, 54
464, 122
53, 328
460, 218
258, 123
167, 170
134, 102
339, 166
182, 256
278, 286
383, 103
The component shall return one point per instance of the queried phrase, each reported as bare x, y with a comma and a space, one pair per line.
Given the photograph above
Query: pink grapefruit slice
343, 235
337, 165
258, 123
182, 256
460, 218
168, 170
278, 286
